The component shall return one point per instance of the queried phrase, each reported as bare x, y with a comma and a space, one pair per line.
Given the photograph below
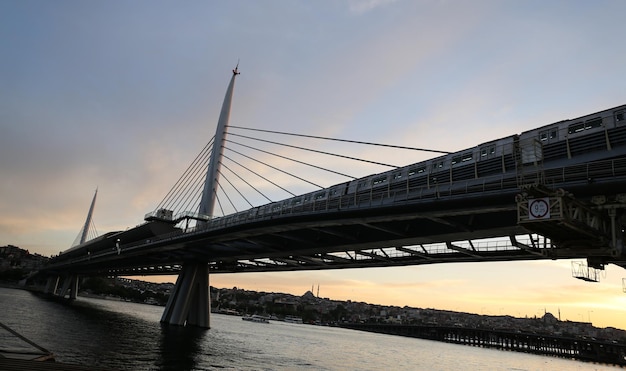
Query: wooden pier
559, 346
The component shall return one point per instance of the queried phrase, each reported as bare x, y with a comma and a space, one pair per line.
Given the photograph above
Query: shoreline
585, 350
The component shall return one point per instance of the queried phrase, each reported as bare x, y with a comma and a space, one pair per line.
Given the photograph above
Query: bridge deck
383, 228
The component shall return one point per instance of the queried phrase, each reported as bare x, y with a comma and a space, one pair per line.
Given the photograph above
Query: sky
122, 95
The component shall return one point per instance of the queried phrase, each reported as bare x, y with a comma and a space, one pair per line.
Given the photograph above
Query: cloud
363, 6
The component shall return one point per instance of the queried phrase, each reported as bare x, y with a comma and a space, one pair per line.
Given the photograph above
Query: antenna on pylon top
235, 71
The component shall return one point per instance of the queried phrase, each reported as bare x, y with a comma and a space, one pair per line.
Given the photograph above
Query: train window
589, 124
593, 123
575, 128
397, 175
487, 151
619, 115
554, 133
361, 184
334, 192
548, 134
379, 180
417, 170
320, 195
307, 198
437, 165
296, 201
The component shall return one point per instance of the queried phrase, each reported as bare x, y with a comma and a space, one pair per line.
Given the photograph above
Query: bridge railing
410, 194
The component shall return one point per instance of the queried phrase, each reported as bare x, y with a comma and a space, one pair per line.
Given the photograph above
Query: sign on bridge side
539, 208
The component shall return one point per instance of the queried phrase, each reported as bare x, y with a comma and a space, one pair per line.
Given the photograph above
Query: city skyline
121, 96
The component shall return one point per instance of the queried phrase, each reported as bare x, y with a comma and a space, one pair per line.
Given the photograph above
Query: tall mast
207, 202
83, 237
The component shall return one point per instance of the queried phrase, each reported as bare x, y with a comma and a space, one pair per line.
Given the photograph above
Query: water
128, 336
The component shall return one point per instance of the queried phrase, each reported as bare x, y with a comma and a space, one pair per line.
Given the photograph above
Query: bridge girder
576, 228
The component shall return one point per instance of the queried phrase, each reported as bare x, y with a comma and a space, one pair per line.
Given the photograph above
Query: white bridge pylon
190, 302
70, 281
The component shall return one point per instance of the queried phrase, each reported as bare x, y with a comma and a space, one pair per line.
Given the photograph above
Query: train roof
576, 118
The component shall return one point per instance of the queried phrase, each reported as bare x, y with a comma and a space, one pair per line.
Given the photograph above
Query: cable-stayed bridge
550, 193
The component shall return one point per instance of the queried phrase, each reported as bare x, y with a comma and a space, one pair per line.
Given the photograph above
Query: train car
586, 138
496, 157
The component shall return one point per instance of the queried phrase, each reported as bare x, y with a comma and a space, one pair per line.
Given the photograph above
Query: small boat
256, 318
293, 319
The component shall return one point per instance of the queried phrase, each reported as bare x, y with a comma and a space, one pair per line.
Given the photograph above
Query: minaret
207, 202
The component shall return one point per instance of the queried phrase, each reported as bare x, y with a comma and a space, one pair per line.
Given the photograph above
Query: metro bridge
559, 209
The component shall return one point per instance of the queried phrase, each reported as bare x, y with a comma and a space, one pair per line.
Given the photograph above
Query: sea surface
129, 336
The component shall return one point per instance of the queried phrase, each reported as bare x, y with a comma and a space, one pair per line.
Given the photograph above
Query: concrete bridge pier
70, 282
189, 303
52, 284
73, 285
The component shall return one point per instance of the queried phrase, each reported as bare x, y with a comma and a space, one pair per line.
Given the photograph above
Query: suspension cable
243, 180
219, 203
183, 180
291, 159
260, 176
189, 187
228, 198
342, 140
275, 168
235, 188
193, 186
315, 150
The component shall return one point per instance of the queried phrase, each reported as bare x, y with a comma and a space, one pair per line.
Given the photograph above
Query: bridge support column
52, 284
189, 303
70, 282
73, 286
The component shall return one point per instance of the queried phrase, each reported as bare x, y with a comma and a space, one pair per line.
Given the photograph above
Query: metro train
600, 135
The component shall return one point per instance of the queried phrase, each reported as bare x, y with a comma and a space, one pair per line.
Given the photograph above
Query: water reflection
113, 334
179, 347
126, 336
